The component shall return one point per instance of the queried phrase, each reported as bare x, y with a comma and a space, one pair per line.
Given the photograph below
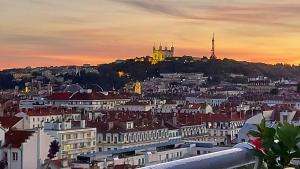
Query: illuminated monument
161, 54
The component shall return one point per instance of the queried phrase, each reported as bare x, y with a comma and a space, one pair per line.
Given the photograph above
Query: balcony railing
132, 143
239, 156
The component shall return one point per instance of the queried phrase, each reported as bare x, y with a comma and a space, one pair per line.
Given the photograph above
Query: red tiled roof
147, 121
196, 119
60, 96
215, 96
103, 127
47, 111
15, 138
134, 103
94, 96
195, 106
9, 122
84, 96
296, 116
142, 121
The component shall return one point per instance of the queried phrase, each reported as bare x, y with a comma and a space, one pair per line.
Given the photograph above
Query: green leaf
255, 133
269, 132
288, 134
268, 142
262, 125
276, 148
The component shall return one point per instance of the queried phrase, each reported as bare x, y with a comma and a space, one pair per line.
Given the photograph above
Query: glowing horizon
57, 32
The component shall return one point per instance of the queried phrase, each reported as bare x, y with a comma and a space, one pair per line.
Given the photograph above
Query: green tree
53, 150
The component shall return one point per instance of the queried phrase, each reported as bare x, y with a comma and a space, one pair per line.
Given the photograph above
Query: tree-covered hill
218, 70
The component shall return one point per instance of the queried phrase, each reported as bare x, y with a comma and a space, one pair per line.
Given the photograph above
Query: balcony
134, 143
240, 155
78, 139
79, 149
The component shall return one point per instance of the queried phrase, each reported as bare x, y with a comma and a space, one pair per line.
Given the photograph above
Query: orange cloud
60, 32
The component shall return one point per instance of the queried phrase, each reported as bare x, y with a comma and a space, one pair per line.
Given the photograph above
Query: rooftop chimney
174, 119
116, 115
110, 125
162, 122
82, 123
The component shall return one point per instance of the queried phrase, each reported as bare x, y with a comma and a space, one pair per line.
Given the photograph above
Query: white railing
240, 155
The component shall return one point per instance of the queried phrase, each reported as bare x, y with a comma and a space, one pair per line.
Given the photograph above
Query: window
285, 118
67, 147
129, 125
15, 156
88, 144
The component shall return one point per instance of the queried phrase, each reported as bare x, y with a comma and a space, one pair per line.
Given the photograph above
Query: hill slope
217, 69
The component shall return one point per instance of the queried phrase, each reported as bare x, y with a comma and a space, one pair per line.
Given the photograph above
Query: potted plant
276, 146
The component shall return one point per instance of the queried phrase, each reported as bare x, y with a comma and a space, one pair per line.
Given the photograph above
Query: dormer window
285, 118
129, 125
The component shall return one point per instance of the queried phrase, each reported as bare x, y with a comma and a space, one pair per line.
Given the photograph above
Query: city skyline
44, 33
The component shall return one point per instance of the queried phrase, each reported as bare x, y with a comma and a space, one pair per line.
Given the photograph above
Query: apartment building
26, 149
116, 135
74, 137
35, 118
87, 100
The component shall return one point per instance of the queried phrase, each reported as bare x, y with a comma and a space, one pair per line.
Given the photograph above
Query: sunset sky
65, 32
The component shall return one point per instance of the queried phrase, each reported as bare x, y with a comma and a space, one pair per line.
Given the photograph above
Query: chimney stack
82, 123
162, 122
174, 119
110, 125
